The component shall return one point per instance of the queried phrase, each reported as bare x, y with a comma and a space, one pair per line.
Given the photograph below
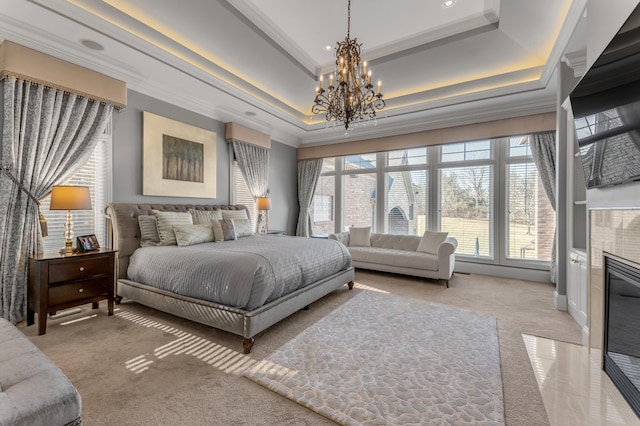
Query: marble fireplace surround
616, 233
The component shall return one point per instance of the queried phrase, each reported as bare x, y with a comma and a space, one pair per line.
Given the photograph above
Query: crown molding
577, 61
575, 14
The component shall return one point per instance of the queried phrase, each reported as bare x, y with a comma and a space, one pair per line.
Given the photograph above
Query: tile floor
574, 389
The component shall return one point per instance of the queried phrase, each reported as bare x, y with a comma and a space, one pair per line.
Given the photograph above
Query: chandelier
352, 99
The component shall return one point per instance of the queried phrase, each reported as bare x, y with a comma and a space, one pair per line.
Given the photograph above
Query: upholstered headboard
126, 231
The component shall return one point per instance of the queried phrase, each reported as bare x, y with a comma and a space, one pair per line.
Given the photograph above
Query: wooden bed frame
126, 239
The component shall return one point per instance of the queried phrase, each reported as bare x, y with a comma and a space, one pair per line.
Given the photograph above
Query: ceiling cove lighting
352, 100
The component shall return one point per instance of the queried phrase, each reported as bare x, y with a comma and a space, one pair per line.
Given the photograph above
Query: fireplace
621, 351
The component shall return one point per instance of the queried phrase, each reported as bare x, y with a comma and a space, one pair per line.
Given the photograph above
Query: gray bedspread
245, 273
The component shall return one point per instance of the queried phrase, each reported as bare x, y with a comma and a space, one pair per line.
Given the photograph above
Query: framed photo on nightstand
86, 243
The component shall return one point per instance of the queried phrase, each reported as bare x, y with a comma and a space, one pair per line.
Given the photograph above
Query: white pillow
166, 222
360, 237
243, 227
188, 235
205, 216
430, 241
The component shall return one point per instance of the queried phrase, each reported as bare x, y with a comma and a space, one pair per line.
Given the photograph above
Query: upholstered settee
429, 256
33, 390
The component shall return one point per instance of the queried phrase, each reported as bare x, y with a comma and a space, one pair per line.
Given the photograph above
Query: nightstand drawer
66, 293
78, 269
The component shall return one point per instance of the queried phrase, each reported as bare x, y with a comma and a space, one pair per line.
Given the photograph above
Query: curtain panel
253, 162
543, 151
308, 176
47, 136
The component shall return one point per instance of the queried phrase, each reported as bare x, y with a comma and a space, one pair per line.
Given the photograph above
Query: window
95, 174
359, 206
466, 151
323, 205
406, 192
322, 208
531, 219
486, 193
240, 193
466, 208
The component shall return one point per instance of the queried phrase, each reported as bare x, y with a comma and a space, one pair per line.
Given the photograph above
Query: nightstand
275, 232
59, 282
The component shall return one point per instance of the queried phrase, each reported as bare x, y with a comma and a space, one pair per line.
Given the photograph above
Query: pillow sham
166, 222
228, 230
430, 241
188, 235
205, 216
148, 231
234, 214
242, 227
360, 237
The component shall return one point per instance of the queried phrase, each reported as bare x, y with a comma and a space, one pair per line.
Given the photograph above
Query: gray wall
127, 161
283, 183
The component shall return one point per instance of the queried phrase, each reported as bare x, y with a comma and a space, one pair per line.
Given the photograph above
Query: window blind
95, 174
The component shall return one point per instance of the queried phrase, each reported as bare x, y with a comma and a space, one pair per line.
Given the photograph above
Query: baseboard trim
585, 336
560, 301
501, 271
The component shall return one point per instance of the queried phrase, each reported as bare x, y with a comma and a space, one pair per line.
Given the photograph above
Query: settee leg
350, 284
447, 282
247, 344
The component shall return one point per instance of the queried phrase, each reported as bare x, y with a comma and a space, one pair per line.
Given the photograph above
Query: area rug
381, 359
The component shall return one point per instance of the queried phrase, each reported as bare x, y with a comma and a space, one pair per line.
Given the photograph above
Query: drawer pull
81, 268
80, 290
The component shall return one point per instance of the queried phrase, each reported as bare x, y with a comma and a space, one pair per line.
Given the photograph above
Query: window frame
499, 160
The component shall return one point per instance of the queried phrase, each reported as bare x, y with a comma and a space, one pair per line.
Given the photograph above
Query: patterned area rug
381, 359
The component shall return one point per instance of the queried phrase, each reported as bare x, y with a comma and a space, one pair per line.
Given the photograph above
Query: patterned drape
47, 135
308, 175
253, 162
543, 150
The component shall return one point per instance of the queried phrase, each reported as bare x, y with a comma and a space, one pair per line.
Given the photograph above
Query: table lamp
264, 205
69, 198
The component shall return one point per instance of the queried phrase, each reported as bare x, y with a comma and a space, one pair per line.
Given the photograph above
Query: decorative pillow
360, 236
205, 216
166, 222
234, 214
148, 231
218, 233
243, 227
430, 241
188, 235
228, 230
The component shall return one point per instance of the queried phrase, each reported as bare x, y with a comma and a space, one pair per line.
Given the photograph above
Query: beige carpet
383, 359
143, 367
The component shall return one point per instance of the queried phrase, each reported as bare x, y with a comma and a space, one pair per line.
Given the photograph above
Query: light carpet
383, 359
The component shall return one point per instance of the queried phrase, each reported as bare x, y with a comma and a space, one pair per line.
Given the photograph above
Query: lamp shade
70, 198
264, 203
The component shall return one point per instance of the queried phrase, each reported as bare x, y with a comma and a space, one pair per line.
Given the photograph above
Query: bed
246, 313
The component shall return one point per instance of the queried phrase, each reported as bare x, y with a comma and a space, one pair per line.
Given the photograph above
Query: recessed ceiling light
93, 45
448, 3
250, 113
328, 47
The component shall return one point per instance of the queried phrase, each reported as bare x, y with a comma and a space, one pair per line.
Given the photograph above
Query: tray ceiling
256, 62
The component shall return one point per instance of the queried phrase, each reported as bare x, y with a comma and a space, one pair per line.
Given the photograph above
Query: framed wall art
179, 159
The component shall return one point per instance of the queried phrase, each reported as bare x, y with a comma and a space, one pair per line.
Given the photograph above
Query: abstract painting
179, 159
